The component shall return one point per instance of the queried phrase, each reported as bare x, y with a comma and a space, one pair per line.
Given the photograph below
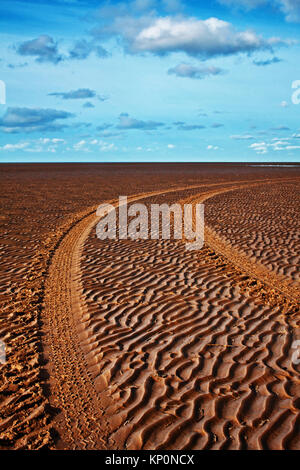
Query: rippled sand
143, 344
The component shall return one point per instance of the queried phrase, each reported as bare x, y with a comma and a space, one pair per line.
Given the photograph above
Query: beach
141, 344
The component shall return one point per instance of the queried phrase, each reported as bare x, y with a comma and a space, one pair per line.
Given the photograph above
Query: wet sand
142, 344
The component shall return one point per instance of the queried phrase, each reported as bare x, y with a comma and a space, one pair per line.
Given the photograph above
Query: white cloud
192, 71
277, 145
196, 37
80, 146
199, 38
212, 147
36, 145
259, 147
13, 147
106, 147
96, 144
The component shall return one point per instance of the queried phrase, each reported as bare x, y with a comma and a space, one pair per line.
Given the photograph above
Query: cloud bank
43, 48
290, 8
33, 119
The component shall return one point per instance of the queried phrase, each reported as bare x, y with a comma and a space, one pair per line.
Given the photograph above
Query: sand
142, 344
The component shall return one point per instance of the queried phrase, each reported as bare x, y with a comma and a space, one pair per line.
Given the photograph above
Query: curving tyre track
150, 346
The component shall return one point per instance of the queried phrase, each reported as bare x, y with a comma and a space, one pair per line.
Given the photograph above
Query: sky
150, 81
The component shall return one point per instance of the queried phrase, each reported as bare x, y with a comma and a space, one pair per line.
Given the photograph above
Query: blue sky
150, 80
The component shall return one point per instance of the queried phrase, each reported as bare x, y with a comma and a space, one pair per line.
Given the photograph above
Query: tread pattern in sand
263, 222
188, 357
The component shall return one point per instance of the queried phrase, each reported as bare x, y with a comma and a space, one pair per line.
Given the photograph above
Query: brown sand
267, 233
142, 344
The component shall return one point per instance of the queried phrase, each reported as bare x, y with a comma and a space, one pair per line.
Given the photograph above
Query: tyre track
133, 366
